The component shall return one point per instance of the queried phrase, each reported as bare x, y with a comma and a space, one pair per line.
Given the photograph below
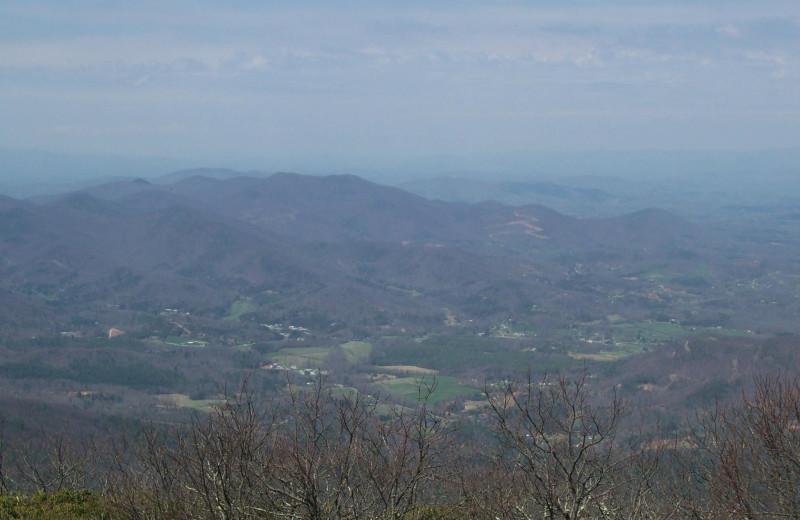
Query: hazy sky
401, 78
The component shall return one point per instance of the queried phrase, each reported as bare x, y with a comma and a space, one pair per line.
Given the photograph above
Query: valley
121, 294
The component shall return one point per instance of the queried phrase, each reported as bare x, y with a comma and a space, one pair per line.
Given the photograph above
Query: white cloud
400, 74
729, 30
766, 57
258, 62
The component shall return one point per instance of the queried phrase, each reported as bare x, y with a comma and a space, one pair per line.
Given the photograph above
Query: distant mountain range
345, 208
337, 244
25, 172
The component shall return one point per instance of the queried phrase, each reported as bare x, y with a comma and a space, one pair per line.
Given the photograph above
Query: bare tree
321, 453
354, 456
491, 491
149, 484
564, 456
51, 462
409, 460
745, 457
217, 467
5, 483
226, 460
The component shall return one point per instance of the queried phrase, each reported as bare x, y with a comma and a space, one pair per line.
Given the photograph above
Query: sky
397, 79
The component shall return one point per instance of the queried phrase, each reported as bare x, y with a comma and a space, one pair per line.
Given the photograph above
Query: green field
630, 339
454, 354
659, 332
302, 357
238, 308
410, 292
623, 349
447, 388
728, 332
652, 332
184, 401
176, 341
313, 357
357, 351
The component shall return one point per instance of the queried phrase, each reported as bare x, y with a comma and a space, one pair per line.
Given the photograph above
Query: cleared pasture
407, 370
176, 341
446, 389
238, 308
302, 357
356, 351
184, 401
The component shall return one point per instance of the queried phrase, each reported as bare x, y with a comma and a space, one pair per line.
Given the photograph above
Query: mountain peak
209, 173
7, 202
86, 203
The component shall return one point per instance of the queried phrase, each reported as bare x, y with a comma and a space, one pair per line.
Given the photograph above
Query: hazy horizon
363, 86
22, 166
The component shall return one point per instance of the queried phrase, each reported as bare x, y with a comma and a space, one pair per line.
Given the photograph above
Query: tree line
552, 449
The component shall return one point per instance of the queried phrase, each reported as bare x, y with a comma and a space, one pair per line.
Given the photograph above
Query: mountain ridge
314, 240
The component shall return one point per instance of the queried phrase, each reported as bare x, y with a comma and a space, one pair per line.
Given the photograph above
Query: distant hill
574, 200
338, 208
319, 240
210, 173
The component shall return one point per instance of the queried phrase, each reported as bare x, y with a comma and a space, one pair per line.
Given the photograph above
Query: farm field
357, 351
445, 388
239, 307
454, 355
660, 332
177, 341
302, 357
313, 357
184, 401
406, 370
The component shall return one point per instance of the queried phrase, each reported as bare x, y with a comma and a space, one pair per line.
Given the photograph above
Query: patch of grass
66, 504
648, 331
240, 307
410, 292
721, 331
620, 350
603, 356
624, 349
703, 270
357, 351
447, 388
176, 341
523, 327
407, 369
456, 354
659, 332
184, 401
302, 357
627, 348
635, 338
